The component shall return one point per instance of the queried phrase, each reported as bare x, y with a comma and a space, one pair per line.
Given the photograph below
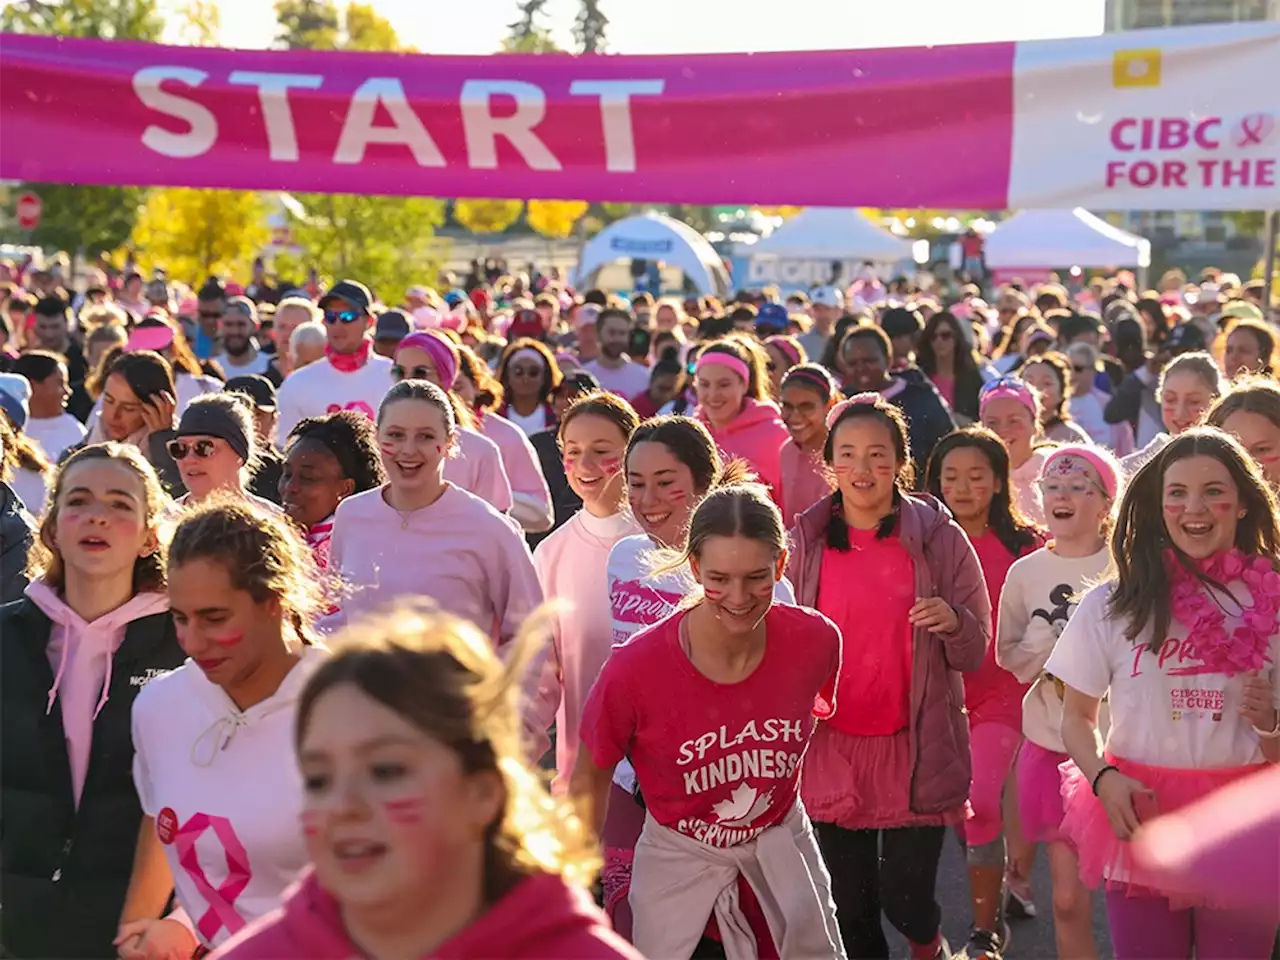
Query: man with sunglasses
352, 376
211, 299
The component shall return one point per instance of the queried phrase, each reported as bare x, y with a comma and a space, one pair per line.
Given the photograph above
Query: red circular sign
29, 210
166, 825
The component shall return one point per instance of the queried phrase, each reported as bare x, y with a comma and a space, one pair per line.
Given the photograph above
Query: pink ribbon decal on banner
920, 127
221, 912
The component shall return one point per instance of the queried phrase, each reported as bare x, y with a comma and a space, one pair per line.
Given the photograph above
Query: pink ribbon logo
221, 912
1254, 128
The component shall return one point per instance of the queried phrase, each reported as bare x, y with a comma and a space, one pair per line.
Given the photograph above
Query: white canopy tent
830, 233
1060, 238
652, 236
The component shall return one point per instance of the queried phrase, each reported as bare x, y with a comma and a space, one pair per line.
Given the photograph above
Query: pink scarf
349, 362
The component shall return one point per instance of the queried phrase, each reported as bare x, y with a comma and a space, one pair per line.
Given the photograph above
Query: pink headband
1007, 388
869, 397
1058, 463
720, 358
788, 350
442, 354
149, 338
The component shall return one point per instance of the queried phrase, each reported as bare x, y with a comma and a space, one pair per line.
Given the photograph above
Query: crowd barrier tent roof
830, 233
653, 236
1057, 238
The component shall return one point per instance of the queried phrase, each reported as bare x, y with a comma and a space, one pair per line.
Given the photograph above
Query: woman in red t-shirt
969, 472
888, 773
714, 706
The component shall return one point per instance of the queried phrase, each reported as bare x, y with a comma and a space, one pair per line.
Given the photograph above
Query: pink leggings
1147, 928
992, 749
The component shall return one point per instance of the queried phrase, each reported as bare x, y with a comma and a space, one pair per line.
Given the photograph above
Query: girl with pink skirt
1186, 641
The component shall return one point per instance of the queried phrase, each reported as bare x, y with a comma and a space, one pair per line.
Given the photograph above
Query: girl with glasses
1080, 485
529, 375
808, 394
1088, 402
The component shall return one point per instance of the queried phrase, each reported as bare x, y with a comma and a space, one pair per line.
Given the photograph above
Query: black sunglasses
343, 316
180, 449
399, 373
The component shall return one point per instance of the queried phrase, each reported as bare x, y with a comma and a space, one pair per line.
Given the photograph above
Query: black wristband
1098, 776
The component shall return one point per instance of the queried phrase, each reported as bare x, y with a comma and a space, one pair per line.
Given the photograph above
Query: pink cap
155, 338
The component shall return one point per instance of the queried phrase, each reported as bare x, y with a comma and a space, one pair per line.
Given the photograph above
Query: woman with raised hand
138, 407
420, 535
212, 765
715, 706
1184, 641
92, 630
572, 566
428, 836
888, 774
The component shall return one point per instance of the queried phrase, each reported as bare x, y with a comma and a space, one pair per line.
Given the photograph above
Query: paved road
1031, 939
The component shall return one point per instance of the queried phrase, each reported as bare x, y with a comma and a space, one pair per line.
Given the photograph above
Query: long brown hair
488, 390
752, 354
1140, 588
440, 674
689, 442
45, 562
18, 451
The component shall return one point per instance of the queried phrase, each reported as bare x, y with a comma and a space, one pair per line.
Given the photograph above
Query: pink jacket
756, 435
946, 566
530, 495
541, 917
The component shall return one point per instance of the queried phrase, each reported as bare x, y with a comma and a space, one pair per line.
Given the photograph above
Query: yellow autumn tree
193, 233
555, 219
487, 216
786, 213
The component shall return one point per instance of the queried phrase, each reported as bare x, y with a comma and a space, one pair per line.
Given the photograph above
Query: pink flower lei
1244, 648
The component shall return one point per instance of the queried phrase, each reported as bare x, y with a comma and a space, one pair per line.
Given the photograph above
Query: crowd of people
402, 626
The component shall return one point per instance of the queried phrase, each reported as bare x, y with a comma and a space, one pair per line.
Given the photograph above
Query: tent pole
1269, 271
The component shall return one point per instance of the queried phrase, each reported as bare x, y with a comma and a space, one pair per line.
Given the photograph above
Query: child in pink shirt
420, 535
572, 565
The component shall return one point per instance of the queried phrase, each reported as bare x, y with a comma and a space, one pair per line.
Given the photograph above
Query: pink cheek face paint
1174, 510
388, 449
712, 594
1221, 507
228, 641
677, 496
612, 464
310, 820
407, 811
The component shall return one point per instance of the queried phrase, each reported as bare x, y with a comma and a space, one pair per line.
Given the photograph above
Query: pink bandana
349, 362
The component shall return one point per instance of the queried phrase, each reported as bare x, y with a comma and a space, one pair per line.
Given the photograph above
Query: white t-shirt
1166, 709
626, 381
535, 422
320, 388
55, 434
260, 363
225, 791
32, 489
638, 600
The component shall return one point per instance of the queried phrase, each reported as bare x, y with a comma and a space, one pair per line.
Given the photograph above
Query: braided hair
351, 438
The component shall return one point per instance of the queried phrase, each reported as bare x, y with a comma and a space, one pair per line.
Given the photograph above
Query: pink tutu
1105, 858
1040, 793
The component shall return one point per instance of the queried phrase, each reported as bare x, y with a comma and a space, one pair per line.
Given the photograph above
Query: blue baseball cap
773, 316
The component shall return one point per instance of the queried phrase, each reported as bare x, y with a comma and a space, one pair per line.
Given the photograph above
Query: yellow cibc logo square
1136, 68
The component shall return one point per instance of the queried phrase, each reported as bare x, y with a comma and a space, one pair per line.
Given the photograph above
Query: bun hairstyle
1202, 365
868, 406
690, 443
45, 563
1140, 586
441, 675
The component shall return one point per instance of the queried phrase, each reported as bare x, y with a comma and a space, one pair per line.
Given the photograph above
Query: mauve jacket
946, 566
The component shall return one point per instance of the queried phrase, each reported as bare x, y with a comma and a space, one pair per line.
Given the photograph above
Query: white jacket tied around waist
677, 882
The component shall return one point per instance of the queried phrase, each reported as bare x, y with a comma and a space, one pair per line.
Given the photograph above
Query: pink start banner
1169, 119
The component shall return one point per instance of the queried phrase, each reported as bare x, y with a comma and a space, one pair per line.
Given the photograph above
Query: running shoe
985, 945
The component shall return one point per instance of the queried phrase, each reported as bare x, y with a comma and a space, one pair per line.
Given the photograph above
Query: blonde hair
440, 674
45, 563
314, 313
103, 315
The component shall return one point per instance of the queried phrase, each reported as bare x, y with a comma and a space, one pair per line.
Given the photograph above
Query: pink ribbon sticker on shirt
221, 900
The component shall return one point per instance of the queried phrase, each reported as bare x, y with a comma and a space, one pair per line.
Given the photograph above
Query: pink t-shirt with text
716, 762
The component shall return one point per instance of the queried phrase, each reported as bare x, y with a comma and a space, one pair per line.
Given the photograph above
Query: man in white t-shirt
351, 376
613, 368
239, 330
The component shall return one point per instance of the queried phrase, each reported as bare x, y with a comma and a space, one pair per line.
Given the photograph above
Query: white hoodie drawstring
222, 730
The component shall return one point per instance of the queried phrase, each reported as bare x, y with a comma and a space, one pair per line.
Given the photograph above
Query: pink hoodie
531, 497
542, 917
755, 435
81, 656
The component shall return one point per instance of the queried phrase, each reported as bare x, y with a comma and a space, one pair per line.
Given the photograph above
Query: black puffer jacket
17, 533
65, 870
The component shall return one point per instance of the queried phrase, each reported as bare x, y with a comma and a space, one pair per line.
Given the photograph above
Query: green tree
590, 26
195, 233
528, 34
385, 242
308, 24
85, 220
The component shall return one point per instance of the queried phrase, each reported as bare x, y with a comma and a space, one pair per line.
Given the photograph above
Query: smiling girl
138, 407
1187, 388
220, 797
215, 448
92, 629
733, 404
1185, 639
969, 472
420, 535
1251, 413
1080, 486
529, 375
1010, 408
1050, 375
715, 706
428, 835
572, 565
808, 394
898, 576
